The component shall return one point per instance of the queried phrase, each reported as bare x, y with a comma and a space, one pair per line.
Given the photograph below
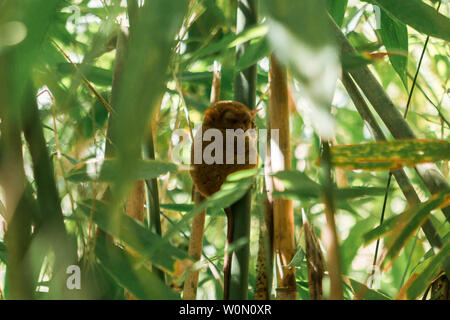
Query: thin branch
85, 80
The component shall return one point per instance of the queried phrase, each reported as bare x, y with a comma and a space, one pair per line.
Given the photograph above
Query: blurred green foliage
167, 75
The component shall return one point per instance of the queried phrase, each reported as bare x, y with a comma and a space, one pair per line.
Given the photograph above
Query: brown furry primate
208, 178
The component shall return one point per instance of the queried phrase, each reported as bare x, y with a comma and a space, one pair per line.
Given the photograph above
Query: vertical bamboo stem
331, 236
17, 213
198, 223
283, 211
244, 92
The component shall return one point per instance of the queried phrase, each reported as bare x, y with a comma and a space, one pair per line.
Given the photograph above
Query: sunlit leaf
389, 154
363, 292
395, 38
146, 169
301, 40
230, 41
418, 15
420, 284
257, 50
405, 223
298, 185
418, 216
337, 10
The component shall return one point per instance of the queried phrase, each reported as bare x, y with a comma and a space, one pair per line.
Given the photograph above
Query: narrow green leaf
96, 75
337, 10
420, 284
354, 62
257, 50
386, 155
182, 207
234, 188
298, 185
364, 292
3, 252
146, 169
230, 41
359, 192
418, 15
416, 219
134, 234
407, 222
395, 38
387, 226
350, 246
131, 273
298, 258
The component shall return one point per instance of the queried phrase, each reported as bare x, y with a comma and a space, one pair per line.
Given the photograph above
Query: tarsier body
209, 176
223, 115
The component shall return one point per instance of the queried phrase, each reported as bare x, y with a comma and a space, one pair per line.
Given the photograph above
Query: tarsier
208, 178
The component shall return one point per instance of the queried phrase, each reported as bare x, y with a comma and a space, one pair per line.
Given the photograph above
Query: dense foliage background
74, 87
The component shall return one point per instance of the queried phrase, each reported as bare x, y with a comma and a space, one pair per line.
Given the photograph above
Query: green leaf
386, 155
407, 222
395, 38
337, 10
303, 42
420, 284
234, 188
415, 220
257, 50
134, 234
359, 192
146, 169
182, 207
418, 15
364, 292
353, 62
3, 252
96, 75
298, 258
350, 246
298, 185
131, 274
230, 41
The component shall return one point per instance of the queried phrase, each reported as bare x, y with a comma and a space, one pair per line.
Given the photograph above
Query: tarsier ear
254, 112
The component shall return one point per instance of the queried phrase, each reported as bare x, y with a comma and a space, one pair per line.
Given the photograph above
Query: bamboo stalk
17, 213
52, 222
195, 250
198, 223
244, 92
264, 265
153, 210
390, 115
331, 236
283, 211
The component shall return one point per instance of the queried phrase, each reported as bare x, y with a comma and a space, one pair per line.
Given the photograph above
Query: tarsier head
229, 115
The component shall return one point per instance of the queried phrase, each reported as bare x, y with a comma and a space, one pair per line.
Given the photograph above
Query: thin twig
85, 80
